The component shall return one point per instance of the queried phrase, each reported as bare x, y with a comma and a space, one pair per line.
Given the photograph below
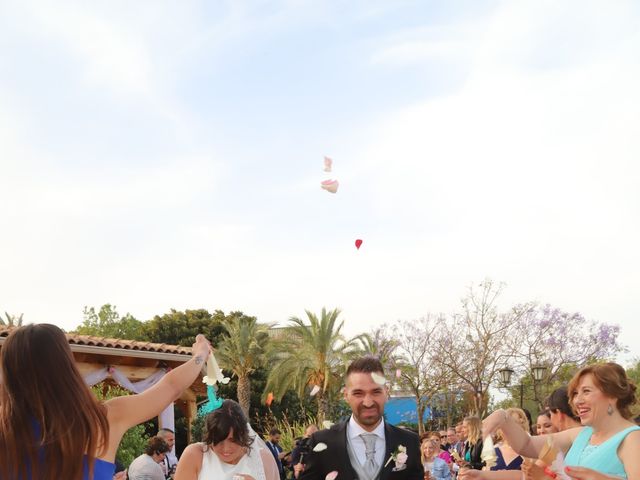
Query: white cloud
112, 56
527, 173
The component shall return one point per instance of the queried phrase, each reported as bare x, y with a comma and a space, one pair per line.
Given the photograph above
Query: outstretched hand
469, 474
532, 471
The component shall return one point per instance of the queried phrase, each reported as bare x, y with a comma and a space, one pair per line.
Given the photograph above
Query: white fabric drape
166, 419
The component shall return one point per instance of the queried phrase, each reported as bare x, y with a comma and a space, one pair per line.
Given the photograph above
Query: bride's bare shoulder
193, 454
190, 462
195, 450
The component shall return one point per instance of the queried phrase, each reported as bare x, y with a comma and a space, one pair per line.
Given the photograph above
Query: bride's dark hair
229, 417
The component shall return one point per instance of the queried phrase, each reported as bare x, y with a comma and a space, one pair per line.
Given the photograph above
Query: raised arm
521, 441
125, 412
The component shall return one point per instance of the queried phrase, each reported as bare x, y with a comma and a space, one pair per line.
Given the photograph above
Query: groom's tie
370, 466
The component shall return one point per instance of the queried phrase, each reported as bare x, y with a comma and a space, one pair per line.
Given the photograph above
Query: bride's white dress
215, 469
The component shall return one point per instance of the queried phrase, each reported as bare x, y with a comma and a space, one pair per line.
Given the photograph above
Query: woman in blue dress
51, 425
607, 444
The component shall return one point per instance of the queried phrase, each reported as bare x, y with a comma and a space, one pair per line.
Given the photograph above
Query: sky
158, 155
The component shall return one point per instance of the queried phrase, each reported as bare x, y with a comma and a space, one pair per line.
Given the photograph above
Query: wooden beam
192, 411
188, 395
132, 373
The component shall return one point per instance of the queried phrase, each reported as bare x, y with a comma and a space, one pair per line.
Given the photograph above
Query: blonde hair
518, 415
474, 429
434, 444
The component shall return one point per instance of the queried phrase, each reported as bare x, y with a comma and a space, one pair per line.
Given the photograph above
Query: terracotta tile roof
90, 340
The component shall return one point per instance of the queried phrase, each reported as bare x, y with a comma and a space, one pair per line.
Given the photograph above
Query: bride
231, 450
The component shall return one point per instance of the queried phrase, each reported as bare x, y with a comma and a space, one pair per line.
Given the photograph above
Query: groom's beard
368, 415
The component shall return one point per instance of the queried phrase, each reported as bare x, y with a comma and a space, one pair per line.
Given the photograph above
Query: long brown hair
49, 419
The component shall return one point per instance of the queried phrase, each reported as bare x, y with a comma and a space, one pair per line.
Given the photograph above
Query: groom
360, 447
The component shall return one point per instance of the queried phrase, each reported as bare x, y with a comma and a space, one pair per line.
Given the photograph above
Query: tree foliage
181, 328
633, 372
106, 322
242, 350
558, 341
310, 355
382, 344
474, 345
421, 373
11, 320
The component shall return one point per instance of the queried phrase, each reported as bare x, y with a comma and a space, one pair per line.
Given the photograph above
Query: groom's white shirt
357, 443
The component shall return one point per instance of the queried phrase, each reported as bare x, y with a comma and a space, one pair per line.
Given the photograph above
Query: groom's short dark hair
366, 364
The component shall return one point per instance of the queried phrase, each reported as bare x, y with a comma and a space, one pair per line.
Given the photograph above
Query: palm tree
12, 320
380, 344
242, 352
310, 356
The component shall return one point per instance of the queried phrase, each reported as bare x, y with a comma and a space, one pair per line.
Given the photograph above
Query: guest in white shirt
147, 466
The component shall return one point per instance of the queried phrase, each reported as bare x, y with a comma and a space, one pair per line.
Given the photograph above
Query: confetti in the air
330, 185
327, 164
398, 373
327, 424
331, 475
320, 447
269, 399
358, 243
379, 379
314, 390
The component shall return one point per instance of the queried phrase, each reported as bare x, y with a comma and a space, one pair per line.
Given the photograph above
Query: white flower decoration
214, 373
488, 454
399, 457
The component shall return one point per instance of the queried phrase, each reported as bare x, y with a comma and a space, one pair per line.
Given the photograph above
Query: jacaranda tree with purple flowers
559, 340
474, 345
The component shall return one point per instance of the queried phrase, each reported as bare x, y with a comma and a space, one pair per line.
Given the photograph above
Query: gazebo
128, 362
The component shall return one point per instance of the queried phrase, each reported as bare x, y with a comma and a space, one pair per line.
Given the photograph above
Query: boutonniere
399, 457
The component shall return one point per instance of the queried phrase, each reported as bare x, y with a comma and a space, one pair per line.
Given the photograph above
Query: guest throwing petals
51, 425
607, 445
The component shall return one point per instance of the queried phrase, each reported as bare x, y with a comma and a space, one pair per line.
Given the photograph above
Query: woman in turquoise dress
51, 425
607, 444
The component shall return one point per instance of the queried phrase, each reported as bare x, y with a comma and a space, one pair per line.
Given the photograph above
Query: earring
610, 410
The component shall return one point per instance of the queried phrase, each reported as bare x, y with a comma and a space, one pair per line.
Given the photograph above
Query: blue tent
403, 409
